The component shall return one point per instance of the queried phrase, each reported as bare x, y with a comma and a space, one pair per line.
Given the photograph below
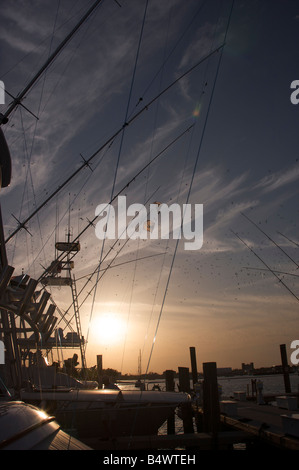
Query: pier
246, 421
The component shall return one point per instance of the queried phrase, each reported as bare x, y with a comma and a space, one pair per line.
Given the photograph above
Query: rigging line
156, 111
127, 109
160, 274
105, 269
63, 215
190, 187
112, 138
33, 50
274, 270
120, 147
146, 186
34, 134
127, 185
154, 300
97, 270
269, 238
130, 306
288, 239
127, 262
26, 178
268, 267
169, 55
21, 95
71, 56
133, 281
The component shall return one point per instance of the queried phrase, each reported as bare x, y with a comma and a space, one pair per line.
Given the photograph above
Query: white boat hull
24, 427
107, 414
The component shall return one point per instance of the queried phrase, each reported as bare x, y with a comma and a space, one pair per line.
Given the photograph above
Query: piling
285, 368
193, 366
211, 406
186, 408
100, 370
184, 379
169, 379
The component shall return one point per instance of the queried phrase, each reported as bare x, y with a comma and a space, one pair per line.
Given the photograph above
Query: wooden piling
285, 368
211, 406
186, 408
187, 417
193, 366
169, 379
184, 379
100, 370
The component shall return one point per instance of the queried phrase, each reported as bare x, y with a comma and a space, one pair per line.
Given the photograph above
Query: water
272, 384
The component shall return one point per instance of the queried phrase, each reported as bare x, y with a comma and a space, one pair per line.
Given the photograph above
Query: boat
105, 414
29, 319
40, 395
88, 413
26, 427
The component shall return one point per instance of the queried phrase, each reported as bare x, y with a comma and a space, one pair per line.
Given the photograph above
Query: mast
21, 96
139, 364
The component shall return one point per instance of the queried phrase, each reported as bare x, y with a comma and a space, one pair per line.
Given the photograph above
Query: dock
253, 427
264, 424
210, 422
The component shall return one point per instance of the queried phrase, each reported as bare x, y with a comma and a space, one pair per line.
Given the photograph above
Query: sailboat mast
21, 96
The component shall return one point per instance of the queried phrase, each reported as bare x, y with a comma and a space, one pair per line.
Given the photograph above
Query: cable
119, 153
190, 187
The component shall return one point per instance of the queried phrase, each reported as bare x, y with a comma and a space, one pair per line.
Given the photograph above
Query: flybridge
153, 225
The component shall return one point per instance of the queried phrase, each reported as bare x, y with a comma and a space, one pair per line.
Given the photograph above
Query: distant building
247, 368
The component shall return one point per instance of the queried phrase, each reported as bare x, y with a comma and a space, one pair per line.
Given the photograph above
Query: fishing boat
29, 320
90, 413
25, 427
108, 414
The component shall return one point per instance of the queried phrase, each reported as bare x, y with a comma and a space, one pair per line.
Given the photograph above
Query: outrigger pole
109, 141
21, 96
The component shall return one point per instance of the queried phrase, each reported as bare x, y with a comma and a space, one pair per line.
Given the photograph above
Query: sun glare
108, 329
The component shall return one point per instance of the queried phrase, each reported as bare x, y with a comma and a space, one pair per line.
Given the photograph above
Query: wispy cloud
279, 179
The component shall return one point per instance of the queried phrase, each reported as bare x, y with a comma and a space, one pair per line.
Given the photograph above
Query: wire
119, 154
268, 267
190, 187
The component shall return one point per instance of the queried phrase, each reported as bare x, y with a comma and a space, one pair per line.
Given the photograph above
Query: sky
230, 67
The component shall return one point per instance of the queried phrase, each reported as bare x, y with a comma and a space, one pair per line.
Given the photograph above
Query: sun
108, 328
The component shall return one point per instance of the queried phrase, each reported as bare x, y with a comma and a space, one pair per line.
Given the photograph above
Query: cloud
279, 179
